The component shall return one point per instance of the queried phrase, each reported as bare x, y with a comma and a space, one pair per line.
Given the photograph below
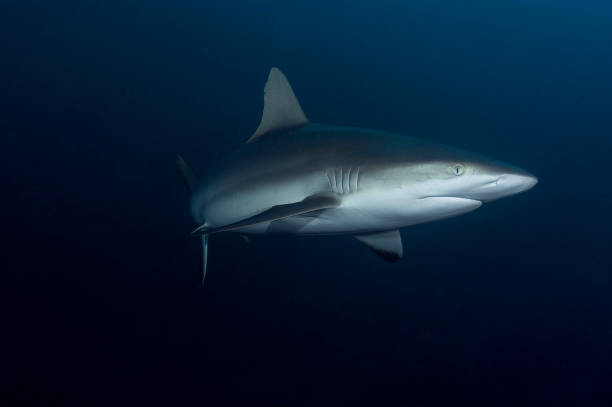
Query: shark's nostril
491, 184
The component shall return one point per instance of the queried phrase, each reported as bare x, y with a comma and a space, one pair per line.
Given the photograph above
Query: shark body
297, 177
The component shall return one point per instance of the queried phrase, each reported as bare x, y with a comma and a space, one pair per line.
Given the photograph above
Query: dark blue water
508, 305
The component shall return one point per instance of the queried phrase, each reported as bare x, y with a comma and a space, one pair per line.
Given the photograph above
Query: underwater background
99, 284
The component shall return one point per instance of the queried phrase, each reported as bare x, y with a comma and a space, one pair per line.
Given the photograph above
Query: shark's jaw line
297, 177
451, 197
472, 204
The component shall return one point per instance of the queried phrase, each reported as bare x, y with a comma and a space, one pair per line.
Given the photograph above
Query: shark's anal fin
204, 257
387, 245
311, 203
282, 110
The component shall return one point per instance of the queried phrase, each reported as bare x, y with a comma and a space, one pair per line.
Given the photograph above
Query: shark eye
458, 169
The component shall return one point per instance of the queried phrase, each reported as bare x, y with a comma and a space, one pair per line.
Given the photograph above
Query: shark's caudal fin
183, 169
282, 111
204, 257
311, 203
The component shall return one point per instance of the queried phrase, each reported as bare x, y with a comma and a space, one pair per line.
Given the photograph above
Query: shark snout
516, 183
505, 185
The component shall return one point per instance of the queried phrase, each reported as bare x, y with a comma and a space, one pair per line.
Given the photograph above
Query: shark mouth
452, 205
457, 199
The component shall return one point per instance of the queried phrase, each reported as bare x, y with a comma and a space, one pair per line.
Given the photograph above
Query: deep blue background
99, 286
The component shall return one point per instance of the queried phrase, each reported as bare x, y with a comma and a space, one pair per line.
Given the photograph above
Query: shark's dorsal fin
281, 108
387, 245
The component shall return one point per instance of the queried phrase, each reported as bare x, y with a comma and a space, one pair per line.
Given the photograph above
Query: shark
296, 177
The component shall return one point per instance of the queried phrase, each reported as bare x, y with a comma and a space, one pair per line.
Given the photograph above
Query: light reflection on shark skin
298, 177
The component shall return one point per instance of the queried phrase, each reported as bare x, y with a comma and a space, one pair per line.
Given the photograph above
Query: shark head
464, 175
487, 181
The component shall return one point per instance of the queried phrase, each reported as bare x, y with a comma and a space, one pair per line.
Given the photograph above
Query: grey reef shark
296, 177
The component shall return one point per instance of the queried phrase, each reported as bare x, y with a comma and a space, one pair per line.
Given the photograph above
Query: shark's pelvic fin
387, 245
182, 168
282, 110
311, 203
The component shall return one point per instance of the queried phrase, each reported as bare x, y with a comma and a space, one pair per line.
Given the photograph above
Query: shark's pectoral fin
387, 245
311, 203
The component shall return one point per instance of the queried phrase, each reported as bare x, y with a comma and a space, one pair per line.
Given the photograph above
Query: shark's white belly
369, 212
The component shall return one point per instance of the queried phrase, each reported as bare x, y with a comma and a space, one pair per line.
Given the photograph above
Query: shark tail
204, 257
183, 169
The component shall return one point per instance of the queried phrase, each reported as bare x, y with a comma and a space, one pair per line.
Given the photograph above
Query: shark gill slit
336, 180
348, 181
343, 182
333, 177
331, 186
352, 180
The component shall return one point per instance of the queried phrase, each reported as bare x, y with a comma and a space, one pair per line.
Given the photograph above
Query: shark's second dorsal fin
281, 108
